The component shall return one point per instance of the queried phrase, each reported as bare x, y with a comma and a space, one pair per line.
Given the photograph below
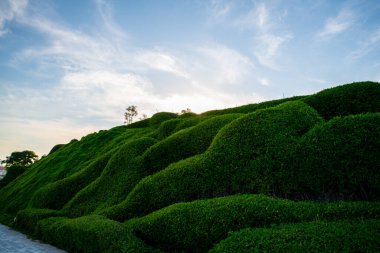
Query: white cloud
258, 17
10, 10
267, 46
367, 46
219, 8
263, 81
333, 26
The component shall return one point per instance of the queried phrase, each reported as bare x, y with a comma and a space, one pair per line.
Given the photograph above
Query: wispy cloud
367, 46
256, 18
338, 24
219, 8
9, 10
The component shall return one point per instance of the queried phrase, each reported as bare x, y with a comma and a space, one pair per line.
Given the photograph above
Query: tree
130, 113
183, 111
144, 116
23, 159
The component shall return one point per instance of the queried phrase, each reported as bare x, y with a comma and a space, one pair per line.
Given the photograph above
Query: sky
69, 68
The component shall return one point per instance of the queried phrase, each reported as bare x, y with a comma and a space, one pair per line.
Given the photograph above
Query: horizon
70, 68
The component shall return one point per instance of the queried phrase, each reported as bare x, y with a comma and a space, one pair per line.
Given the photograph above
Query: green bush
224, 168
27, 219
55, 195
122, 173
90, 234
166, 128
318, 236
206, 222
185, 143
160, 117
12, 173
354, 98
251, 107
339, 159
55, 148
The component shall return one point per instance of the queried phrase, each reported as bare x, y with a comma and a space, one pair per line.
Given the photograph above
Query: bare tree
131, 112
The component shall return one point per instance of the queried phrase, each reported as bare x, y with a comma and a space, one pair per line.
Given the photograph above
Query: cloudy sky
69, 67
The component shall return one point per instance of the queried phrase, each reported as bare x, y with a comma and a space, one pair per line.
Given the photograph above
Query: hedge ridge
206, 222
90, 234
317, 236
224, 169
123, 171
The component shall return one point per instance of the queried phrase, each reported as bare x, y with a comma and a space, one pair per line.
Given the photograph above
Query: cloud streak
10, 10
336, 25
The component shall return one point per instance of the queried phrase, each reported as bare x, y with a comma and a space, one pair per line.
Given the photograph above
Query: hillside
297, 174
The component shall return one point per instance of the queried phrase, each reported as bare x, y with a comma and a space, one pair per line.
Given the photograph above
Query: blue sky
69, 68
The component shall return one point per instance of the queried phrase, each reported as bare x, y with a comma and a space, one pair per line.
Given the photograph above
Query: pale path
12, 241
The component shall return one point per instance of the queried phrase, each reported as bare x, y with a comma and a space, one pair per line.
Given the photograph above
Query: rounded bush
339, 159
317, 236
225, 168
12, 173
354, 98
160, 117
55, 148
185, 143
123, 171
206, 222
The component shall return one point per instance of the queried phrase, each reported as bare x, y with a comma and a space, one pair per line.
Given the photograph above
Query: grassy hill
298, 174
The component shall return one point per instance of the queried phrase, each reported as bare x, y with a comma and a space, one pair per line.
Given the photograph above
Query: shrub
184, 144
160, 117
27, 219
251, 107
121, 174
55, 195
12, 173
55, 148
354, 98
339, 159
90, 234
166, 128
206, 222
224, 168
317, 236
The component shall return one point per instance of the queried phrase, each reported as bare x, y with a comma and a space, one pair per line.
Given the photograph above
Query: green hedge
196, 226
354, 98
185, 143
122, 173
55, 195
27, 219
160, 117
12, 173
90, 234
225, 168
318, 236
339, 160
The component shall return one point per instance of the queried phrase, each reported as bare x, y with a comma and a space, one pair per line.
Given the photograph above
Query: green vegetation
295, 174
12, 173
318, 236
206, 222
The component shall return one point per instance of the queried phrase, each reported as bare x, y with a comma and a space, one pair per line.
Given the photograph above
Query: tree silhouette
131, 112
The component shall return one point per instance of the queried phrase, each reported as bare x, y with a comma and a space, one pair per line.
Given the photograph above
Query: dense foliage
290, 175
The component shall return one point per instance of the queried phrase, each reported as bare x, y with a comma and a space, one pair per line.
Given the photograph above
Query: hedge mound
339, 159
12, 173
160, 117
354, 98
121, 174
224, 169
318, 236
90, 234
55, 195
185, 143
196, 226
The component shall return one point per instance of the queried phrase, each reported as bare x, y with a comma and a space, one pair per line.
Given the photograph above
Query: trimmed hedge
12, 173
185, 143
122, 173
55, 148
196, 226
27, 219
90, 234
160, 117
55, 195
354, 98
251, 107
318, 236
338, 160
224, 169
